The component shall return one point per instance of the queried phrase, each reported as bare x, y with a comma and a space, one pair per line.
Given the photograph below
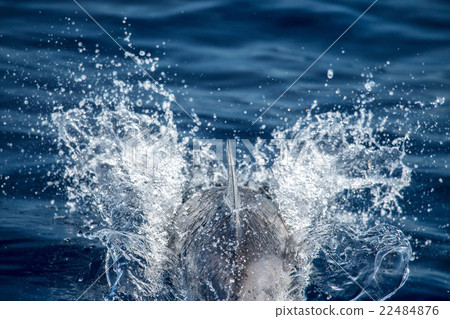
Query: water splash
357, 265
126, 172
334, 182
124, 176
331, 165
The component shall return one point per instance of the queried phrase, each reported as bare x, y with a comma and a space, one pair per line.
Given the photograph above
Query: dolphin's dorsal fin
232, 196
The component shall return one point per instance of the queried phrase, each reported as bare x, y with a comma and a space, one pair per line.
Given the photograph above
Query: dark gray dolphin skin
232, 244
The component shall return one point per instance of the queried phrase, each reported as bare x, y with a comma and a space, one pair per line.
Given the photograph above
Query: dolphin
231, 244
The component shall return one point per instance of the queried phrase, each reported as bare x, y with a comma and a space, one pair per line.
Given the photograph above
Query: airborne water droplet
330, 73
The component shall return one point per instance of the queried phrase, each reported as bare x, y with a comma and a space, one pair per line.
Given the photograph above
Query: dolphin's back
230, 254
231, 244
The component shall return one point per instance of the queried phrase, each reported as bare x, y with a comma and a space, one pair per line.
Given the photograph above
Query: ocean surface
84, 216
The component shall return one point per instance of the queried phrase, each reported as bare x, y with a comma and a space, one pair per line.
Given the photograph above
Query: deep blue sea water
224, 61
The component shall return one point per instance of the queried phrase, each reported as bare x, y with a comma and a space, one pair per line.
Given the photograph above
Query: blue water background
234, 57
